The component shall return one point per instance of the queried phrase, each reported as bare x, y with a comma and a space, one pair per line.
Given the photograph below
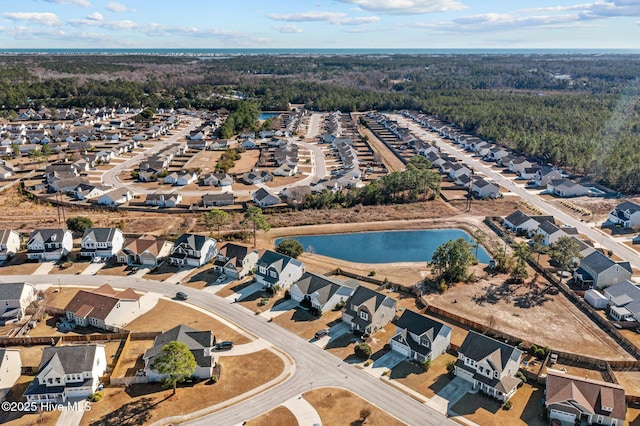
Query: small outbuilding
595, 299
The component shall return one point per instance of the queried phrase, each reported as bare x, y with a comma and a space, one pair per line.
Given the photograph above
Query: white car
221, 278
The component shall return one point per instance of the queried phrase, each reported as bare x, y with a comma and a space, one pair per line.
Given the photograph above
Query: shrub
290, 247
450, 366
362, 350
507, 405
96, 396
340, 305
425, 365
442, 286
523, 379
78, 224
365, 413
367, 363
372, 273
214, 379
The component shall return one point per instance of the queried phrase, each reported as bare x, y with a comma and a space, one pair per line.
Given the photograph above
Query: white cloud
118, 7
288, 29
497, 22
229, 36
335, 18
96, 16
42, 18
112, 25
407, 7
83, 3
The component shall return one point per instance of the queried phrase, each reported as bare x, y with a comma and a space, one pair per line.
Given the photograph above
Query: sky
428, 24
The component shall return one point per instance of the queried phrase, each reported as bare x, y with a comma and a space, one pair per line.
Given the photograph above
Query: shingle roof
11, 291
101, 234
4, 235
195, 340
517, 218
478, 347
420, 324
234, 252
192, 241
311, 283
68, 359
47, 235
142, 244
99, 302
363, 294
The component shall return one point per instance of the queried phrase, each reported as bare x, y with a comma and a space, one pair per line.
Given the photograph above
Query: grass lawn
201, 277
341, 407
17, 418
19, 265
143, 404
427, 383
131, 358
483, 410
162, 272
305, 325
76, 268
253, 302
343, 346
280, 416
166, 315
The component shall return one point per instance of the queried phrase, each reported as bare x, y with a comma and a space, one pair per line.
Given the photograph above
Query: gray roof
4, 235
100, 234
11, 291
363, 294
191, 241
598, 262
47, 235
627, 205
277, 261
195, 340
549, 227
477, 347
625, 294
419, 324
68, 359
517, 218
326, 287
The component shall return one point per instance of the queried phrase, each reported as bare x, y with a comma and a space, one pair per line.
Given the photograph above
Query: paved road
596, 236
313, 366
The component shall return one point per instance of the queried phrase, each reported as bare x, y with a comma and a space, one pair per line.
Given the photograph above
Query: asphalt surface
596, 236
313, 366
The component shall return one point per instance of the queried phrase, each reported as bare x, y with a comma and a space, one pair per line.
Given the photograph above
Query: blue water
268, 115
383, 247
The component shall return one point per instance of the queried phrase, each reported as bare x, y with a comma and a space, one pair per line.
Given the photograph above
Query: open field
341, 407
205, 161
146, 403
247, 161
427, 383
280, 416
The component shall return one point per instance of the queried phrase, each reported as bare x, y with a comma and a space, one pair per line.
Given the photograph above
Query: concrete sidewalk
304, 412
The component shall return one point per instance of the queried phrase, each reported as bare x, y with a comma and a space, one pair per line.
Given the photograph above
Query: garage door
401, 349
560, 415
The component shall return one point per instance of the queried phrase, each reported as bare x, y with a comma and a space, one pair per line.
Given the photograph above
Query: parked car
224, 345
321, 333
221, 278
182, 296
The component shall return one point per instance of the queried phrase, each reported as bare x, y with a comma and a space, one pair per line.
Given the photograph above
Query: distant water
213, 53
268, 115
383, 247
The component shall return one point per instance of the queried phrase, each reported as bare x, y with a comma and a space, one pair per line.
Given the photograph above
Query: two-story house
103, 308
49, 244
198, 342
101, 242
623, 300
522, 222
320, 292
192, 250
264, 198
367, 311
146, 250
235, 261
9, 244
67, 372
490, 365
276, 269
598, 271
419, 337
14, 299
626, 214
10, 368
577, 400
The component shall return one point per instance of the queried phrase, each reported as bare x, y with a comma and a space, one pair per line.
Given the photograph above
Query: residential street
598, 237
314, 367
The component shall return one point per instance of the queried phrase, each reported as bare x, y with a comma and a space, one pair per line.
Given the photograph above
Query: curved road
598, 237
314, 367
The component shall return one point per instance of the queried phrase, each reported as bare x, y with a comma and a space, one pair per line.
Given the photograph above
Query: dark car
224, 345
182, 296
321, 333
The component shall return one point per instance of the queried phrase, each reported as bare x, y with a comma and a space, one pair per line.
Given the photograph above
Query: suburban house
215, 200
624, 301
146, 250
528, 173
367, 311
458, 169
596, 299
626, 214
264, 198
101, 242
67, 372
490, 365
552, 232
115, 197
419, 337
192, 250
577, 400
9, 244
598, 271
162, 199
217, 179
14, 300
181, 179
482, 188
49, 244
546, 175
519, 163
103, 308
320, 292
86, 191
10, 368
564, 187
235, 261
253, 178
276, 269
199, 344
521, 222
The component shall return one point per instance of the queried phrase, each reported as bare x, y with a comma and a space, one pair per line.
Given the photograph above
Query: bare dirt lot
131, 359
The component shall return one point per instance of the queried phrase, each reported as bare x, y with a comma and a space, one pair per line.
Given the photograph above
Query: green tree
521, 253
504, 261
255, 217
451, 260
217, 218
564, 251
362, 350
479, 237
79, 224
176, 362
538, 247
290, 247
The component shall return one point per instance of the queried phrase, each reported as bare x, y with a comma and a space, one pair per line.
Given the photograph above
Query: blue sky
599, 24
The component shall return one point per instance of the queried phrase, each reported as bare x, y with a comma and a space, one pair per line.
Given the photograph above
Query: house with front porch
367, 311
67, 372
626, 214
277, 269
193, 250
522, 222
320, 292
624, 301
146, 250
235, 261
49, 244
577, 400
598, 271
489, 364
419, 337
101, 242
103, 308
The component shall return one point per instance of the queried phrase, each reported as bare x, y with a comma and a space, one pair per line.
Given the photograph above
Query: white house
217, 179
49, 244
10, 368
235, 261
320, 292
264, 198
115, 197
101, 242
490, 365
626, 214
67, 372
146, 250
278, 269
15, 298
103, 308
192, 250
419, 337
564, 187
521, 222
161, 199
482, 188
9, 244
624, 301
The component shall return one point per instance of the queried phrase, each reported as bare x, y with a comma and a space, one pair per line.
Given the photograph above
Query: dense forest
580, 112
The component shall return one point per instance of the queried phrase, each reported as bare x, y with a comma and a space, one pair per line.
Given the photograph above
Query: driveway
179, 276
384, 363
279, 309
244, 292
93, 268
304, 412
44, 268
336, 331
450, 394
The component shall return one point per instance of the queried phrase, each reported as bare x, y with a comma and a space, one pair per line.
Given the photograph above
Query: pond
383, 247
268, 115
